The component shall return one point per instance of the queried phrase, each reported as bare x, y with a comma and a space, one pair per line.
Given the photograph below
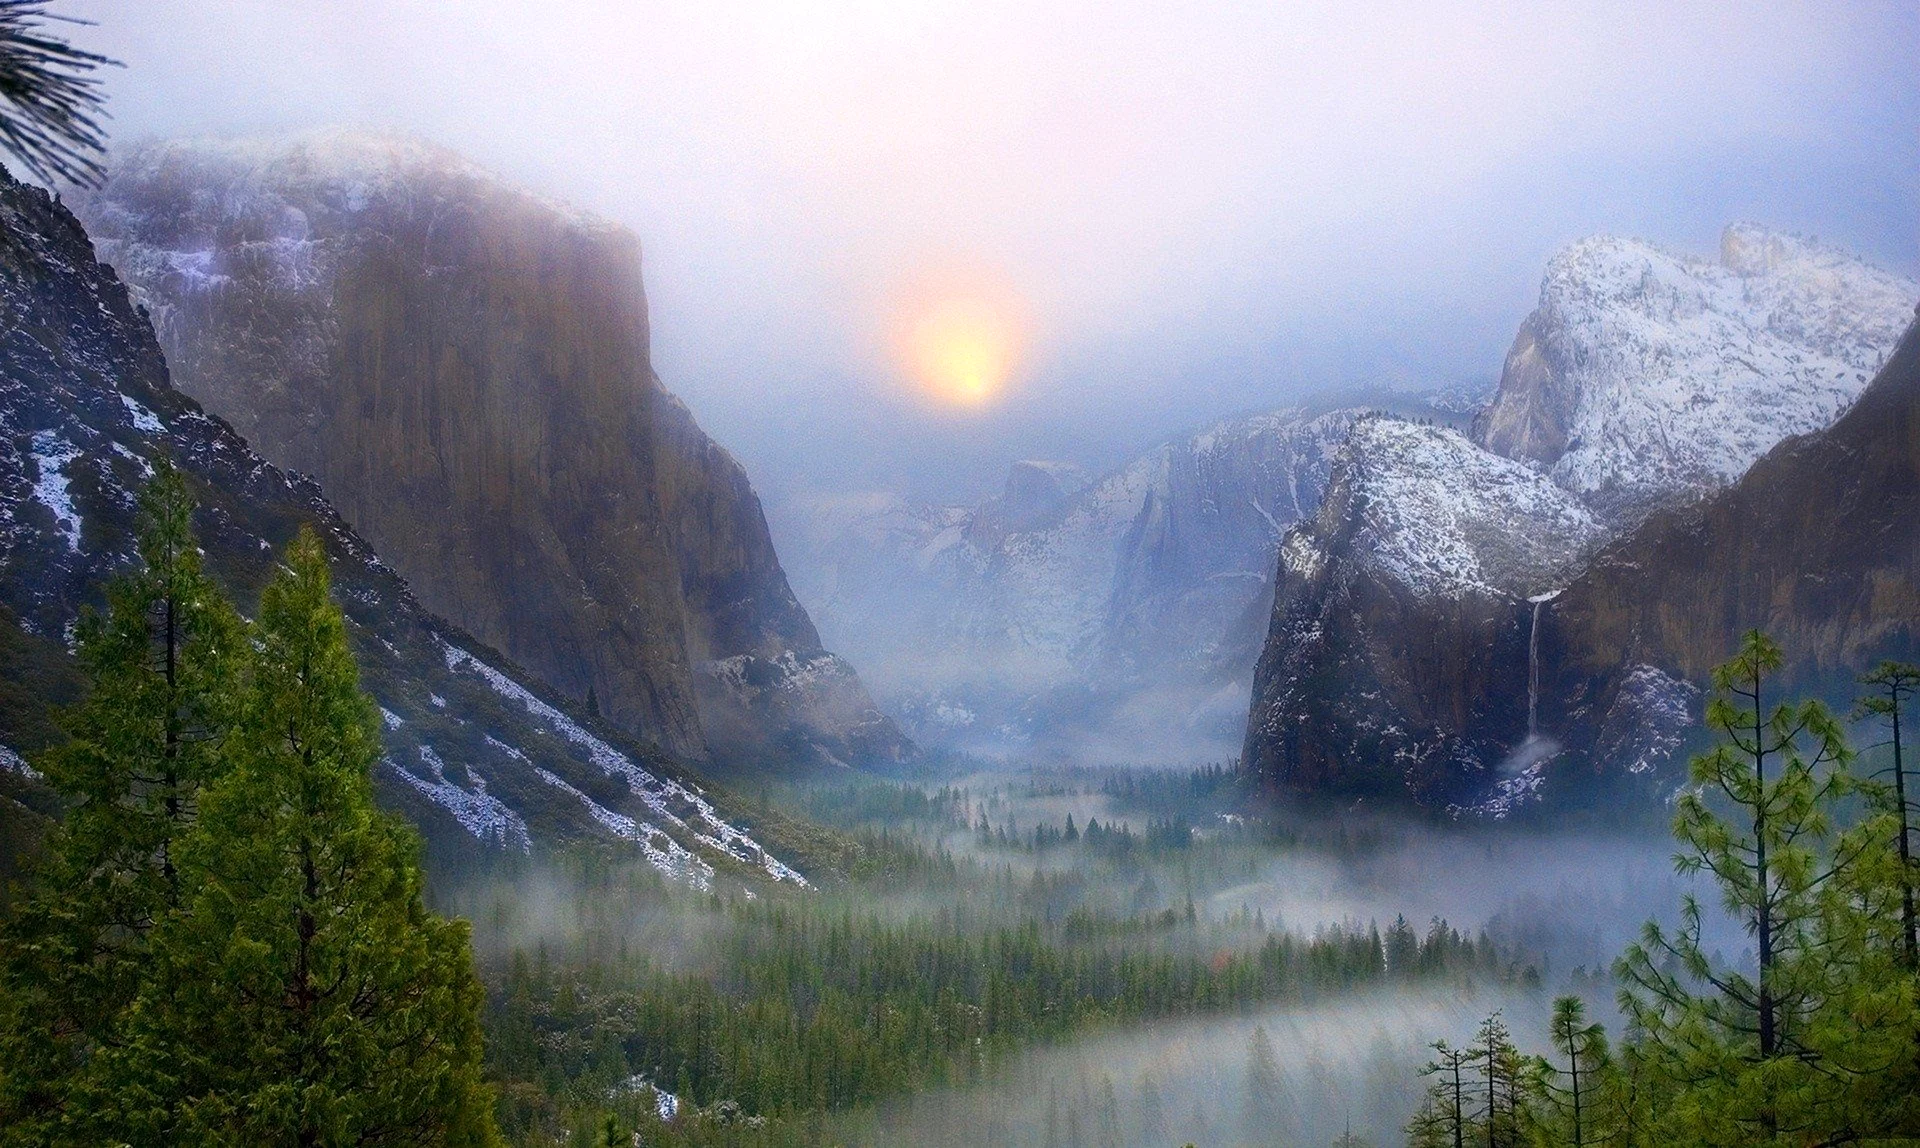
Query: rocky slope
480, 754
1818, 544
1396, 661
1103, 616
1646, 378
1643, 381
465, 369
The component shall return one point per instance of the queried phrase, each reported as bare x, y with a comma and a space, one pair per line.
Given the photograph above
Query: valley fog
1158, 865
1326, 1071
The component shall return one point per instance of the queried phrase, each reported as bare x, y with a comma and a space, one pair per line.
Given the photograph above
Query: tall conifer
303, 994
166, 666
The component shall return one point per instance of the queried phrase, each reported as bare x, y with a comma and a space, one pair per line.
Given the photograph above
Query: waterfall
1533, 671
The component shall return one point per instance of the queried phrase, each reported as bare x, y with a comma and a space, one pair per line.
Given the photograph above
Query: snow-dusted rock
1396, 660
470, 747
1646, 377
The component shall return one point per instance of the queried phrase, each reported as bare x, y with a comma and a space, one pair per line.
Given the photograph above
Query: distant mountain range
1480, 625
1090, 618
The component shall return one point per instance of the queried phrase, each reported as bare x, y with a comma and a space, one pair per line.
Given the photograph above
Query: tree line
1814, 1039
797, 1010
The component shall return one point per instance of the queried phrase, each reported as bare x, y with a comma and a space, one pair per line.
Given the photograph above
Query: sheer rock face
465, 368
482, 755
1396, 662
1647, 379
1818, 544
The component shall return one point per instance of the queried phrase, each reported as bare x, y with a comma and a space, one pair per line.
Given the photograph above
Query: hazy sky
1186, 209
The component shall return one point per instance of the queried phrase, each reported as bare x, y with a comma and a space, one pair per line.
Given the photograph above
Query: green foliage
797, 1010
168, 666
1570, 1085
227, 942
1760, 1051
1818, 1041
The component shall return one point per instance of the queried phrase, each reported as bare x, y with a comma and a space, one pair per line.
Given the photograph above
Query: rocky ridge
1645, 382
1646, 378
1109, 612
1376, 678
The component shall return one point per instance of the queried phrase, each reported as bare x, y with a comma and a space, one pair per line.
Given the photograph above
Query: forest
223, 939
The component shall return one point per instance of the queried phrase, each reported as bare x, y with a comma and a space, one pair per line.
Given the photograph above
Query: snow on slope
1442, 517
680, 805
1646, 376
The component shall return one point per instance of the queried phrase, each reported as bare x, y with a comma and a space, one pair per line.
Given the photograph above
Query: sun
961, 348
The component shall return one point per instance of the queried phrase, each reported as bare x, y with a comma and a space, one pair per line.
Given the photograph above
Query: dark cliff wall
465, 368
1365, 689
483, 759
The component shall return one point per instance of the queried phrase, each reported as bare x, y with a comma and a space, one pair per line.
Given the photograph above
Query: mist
1201, 210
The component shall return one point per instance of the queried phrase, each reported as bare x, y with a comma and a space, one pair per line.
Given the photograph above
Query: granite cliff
1401, 666
482, 755
464, 367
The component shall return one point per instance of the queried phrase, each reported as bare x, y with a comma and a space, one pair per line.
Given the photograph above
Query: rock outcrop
1644, 383
1396, 665
481, 754
465, 369
1818, 545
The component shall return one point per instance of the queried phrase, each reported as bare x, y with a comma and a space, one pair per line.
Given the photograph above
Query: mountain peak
1647, 377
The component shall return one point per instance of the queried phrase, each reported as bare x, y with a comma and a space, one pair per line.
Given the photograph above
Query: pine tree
1570, 1091
1504, 1085
166, 664
1264, 1109
302, 994
50, 100
1892, 686
1751, 1050
1443, 1120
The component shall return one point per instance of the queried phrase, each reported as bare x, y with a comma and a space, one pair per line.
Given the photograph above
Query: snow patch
666, 799
1443, 517
144, 420
662, 852
51, 456
12, 762
478, 812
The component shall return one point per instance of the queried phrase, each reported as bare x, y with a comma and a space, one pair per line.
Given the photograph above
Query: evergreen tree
1503, 1085
302, 994
1570, 1091
50, 101
1264, 1107
166, 665
1753, 1051
1443, 1120
1891, 686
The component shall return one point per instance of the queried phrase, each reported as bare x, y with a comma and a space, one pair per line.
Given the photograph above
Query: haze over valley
937, 574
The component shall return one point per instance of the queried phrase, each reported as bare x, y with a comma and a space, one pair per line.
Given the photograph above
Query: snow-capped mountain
1646, 378
1416, 618
465, 367
479, 753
